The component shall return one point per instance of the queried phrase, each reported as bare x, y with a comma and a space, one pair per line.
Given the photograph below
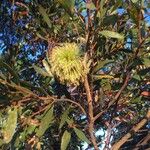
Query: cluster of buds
67, 64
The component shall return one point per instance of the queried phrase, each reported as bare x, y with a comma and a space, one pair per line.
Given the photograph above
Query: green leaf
90, 6
68, 4
112, 34
47, 67
64, 118
2, 76
134, 13
65, 140
106, 84
46, 121
30, 129
102, 10
81, 135
110, 20
45, 16
146, 62
137, 77
134, 1
1, 142
102, 3
70, 121
117, 4
40, 36
97, 77
28, 85
41, 71
11, 70
10, 125
136, 100
101, 64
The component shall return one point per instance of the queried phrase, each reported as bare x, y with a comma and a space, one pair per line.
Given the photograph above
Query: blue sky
120, 11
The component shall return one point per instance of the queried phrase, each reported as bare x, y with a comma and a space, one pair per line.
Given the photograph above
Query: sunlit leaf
1, 142
47, 67
112, 34
134, 1
81, 135
65, 140
90, 6
40, 71
10, 125
102, 77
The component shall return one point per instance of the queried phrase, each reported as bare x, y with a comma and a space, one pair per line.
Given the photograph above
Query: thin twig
71, 101
40, 111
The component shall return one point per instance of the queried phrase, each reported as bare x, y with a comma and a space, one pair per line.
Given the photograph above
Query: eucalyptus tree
74, 74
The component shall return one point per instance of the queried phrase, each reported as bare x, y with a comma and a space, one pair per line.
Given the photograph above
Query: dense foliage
74, 74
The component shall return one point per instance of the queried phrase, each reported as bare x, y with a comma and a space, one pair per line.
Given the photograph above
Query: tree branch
117, 145
143, 142
68, 100
90, 113
116, 96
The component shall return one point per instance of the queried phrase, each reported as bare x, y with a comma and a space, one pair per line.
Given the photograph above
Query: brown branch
80, 16
139, 26
117, 145
108, 137
51, 101
68, 100
90, 113
116, 96
140, 45
40, 111
97, 8
143, 142
19, 88
140, 40
123, 86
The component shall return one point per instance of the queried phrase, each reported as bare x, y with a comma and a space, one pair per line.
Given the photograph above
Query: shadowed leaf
45, 16
45, 122
64, 118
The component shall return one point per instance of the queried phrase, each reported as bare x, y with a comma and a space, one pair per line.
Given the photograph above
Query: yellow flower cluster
66, 63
